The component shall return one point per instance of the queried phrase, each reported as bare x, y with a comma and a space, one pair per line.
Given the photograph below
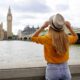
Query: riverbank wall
33, 73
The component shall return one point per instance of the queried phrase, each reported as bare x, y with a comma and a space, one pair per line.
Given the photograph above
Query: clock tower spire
9, 24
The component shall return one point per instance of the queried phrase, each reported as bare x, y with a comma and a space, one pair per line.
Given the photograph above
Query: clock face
9, 17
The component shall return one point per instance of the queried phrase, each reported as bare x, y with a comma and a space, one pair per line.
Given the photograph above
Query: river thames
22, 54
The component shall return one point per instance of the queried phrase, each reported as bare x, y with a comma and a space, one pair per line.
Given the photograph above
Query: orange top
49, 52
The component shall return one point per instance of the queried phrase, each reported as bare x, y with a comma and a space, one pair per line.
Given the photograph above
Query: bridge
77, 30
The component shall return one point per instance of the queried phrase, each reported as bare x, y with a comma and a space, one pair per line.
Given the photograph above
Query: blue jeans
58, 72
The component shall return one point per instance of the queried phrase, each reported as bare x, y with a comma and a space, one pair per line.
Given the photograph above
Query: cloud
62, 7
35, 6
27, 17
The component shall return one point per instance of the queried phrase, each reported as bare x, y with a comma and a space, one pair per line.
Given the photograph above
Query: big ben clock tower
9, 24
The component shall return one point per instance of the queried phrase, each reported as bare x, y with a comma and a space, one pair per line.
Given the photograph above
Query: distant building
26, 32
7, 34
1, 32
19, 34
9, 24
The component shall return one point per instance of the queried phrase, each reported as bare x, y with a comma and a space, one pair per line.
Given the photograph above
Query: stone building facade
6, 34
9, 23
1, 32
26, 32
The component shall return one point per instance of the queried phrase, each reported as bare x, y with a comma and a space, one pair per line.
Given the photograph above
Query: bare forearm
68, 25
73, 33
40, 29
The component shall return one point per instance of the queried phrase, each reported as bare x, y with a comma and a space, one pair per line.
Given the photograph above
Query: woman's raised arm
35, 34
68, 25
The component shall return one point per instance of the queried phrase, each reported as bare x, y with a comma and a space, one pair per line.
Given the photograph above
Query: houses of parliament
6, 34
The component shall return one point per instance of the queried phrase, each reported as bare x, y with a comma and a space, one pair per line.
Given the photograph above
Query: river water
22, 54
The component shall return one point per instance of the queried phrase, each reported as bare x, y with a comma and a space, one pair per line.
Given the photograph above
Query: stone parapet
33, 73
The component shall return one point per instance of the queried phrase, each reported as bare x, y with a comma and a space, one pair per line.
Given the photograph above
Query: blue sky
36, 12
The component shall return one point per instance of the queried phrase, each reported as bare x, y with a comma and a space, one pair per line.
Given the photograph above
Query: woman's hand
45, 25
68, 25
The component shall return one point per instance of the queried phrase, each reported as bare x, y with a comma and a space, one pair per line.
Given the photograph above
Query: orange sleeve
39, 39
72, 39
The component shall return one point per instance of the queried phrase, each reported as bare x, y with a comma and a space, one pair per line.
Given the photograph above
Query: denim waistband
60, 65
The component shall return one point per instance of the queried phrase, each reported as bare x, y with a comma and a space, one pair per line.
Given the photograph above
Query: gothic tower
1, 32
9, 24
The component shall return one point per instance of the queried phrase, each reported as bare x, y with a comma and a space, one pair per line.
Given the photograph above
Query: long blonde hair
59, 41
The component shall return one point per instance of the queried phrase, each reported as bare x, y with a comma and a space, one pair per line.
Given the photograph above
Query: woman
56, 47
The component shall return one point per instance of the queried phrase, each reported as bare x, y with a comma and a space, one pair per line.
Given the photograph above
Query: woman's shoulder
48, 36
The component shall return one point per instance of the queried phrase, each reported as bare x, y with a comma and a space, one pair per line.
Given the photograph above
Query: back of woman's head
59, 37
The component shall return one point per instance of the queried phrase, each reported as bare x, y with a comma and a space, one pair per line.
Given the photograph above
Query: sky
36, 12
